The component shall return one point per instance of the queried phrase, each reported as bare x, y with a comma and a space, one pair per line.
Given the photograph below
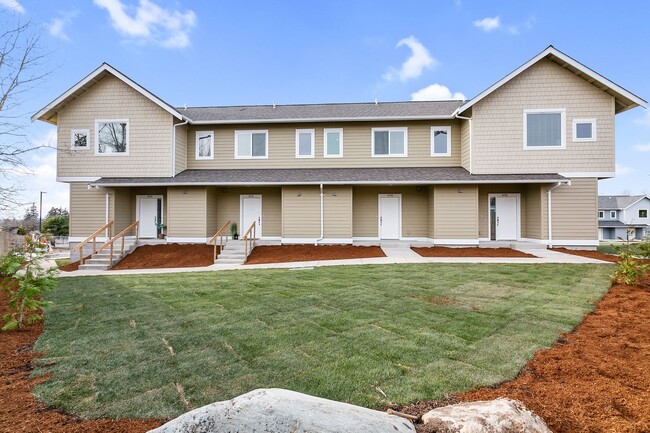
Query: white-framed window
251, 144
204, 145
584, 129
601, 214
612, 214
333, 142
112, 137
389, 142
545, 129
441, 141
643, 213
80, 139
305, 143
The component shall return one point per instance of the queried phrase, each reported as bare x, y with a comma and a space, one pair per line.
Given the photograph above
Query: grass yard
369, 335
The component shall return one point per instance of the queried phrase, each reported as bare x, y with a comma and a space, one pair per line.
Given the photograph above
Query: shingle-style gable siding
149, 133
497, 141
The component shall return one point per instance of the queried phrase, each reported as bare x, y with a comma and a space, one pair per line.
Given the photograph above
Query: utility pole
40, 213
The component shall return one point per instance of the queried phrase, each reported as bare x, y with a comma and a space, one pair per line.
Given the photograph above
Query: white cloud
488, 24
14, 5
150, 22
413, 66
435, 92
622, 170
643, 147
57, 25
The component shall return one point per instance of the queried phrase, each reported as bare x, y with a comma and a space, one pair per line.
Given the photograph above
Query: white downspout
550, 216
322, 215
174, 144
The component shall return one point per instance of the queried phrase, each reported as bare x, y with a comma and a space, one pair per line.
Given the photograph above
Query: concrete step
229, 261
231, 256
90, 267
527, 246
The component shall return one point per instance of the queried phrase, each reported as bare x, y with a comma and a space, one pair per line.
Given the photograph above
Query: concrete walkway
393, 256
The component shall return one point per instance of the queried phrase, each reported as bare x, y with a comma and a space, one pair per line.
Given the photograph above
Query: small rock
497, 416
281, 410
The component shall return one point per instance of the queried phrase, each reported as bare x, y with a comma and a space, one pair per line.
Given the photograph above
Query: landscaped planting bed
469, 252
589, 254
308, 252
168, 256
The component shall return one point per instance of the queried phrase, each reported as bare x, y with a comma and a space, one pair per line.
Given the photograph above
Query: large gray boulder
497, 416
280, 410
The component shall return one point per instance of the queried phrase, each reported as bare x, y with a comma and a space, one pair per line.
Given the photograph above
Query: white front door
506, 218
251, 210
148, 215
389, 216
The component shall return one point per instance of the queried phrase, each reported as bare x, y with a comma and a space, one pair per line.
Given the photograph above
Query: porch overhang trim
409, 182
319, 120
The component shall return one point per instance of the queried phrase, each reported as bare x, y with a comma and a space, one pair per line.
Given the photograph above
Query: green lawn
349, 333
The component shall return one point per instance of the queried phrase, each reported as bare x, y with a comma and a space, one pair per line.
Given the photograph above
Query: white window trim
447, 129
128, 133
258, 131
389, 155
612, 214
562, 112
601, 214
313, 142
575, 130
196, 145
646, 211
340, 132
80, 131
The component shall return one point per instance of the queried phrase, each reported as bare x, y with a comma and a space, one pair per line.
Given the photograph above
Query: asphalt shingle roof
617, 201
616, 223
323, 112
329, 176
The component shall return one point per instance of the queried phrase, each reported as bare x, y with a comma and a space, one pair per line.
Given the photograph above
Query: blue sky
236, 53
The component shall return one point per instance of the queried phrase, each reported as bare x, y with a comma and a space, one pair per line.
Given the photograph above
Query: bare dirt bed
594, 379
305, 253
469, 252
21, 412
589, 254
168, 256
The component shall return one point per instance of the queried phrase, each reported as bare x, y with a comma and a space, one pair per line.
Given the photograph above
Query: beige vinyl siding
211, 219
337, 210
366, 208
186, 212
498, 120
431, 225
484, 210
301, 212
534, 215
456, 213
574, 210
356, 146
123, 213
229, 208
149, 133
465, 144
87, 209
181, 148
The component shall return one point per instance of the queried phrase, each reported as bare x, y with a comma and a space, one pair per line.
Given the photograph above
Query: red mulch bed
469, 252
168, 256
594, 379
21, 412
590, 254
306, 253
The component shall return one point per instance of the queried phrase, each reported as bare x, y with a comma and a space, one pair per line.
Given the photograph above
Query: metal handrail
213, 239
121, 234
108, 227
248, 239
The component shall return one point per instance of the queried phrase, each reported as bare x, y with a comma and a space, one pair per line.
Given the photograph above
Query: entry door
251, 210
148, 217
506, 215
389, 216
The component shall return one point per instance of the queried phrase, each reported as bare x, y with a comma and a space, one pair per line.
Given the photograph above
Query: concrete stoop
101, 261
234, 252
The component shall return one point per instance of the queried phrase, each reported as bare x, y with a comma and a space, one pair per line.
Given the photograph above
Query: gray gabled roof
323, 112
617, 223
330, 176
617, 202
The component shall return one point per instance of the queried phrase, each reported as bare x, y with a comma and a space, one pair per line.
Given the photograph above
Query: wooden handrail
121, 235
213, 240
248, 239
108, 227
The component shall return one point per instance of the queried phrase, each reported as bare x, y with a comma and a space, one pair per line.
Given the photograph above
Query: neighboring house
520, 161
623, 217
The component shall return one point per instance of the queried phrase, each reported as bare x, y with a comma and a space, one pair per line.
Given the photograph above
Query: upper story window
251, 144
441, 141
545, 129
601, 214
305, 143
389, 142
112, 137
333, 146
80, 139
584, 130
643, 213
204, 144
612, 214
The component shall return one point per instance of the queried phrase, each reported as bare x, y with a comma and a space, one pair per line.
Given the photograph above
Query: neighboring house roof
625, 99
618, 202
330, 176
323, 112
616, 223
48, 113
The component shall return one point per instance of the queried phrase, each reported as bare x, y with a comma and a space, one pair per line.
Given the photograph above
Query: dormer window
545, 129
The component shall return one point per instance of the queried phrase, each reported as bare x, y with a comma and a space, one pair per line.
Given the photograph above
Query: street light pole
40, 213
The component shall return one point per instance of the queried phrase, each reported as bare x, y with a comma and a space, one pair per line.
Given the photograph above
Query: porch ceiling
302, 176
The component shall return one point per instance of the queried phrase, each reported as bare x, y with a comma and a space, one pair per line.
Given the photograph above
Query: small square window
441, 141
601, 214
333, 146
643, 213
79, 139
584, 130
204, 144
304, 143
